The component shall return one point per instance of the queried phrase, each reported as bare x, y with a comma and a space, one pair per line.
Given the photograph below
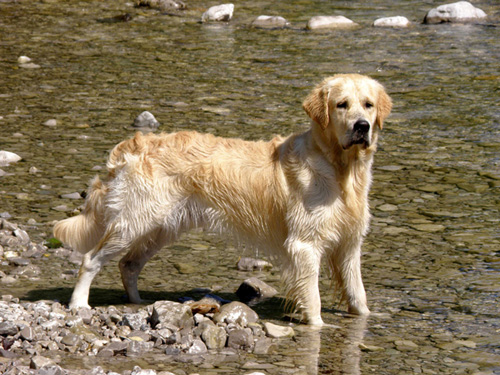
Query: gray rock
134, 321
117, 347
198, 347
398, 21
253, 288
8, 328
330, 22
71, 196
241, 339
236, 312
461, 12
20, 262
163, 5
51, 370
146, 120
22, 235
38, 361
270, 22
27, 334
171, 313
251, 264
138, 348
276, 331
218, 13
86, 314
215, 337
70, 340
7, 157
263, 345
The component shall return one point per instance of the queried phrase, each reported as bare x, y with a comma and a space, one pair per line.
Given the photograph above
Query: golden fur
301, 198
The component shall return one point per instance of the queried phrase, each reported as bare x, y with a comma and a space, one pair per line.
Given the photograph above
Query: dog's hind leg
110, 245
132, 263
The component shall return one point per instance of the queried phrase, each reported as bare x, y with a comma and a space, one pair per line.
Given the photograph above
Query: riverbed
431, 261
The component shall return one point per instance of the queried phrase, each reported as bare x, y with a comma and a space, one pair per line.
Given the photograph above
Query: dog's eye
342, 104
368, 105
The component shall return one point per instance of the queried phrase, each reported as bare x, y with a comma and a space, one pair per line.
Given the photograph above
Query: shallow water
431, 262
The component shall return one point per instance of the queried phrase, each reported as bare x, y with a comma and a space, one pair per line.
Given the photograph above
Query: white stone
218, 13
330, 22
7, 157
460, 12
23, 59
276, 331
50, 123
270, 22
398, 21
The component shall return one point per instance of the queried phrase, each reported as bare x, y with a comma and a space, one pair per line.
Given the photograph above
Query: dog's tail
84, 231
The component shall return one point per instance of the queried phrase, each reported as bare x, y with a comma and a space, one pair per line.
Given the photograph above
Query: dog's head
349, 109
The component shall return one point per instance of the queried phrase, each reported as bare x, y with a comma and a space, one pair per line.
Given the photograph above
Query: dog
302, 198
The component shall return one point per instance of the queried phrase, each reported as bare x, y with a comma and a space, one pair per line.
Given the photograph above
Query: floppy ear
316, 105
384, 106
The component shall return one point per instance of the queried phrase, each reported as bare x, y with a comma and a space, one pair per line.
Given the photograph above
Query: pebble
71, 196
163, 5
23, 59
50, 123
218, 13
459, 12
251, 264
330, 22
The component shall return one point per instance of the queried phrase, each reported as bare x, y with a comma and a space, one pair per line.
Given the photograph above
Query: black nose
361, 127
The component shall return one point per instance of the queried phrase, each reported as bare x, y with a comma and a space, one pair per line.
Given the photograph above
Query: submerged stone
398, 21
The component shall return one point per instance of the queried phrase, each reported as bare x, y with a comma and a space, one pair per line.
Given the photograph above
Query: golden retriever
301, 198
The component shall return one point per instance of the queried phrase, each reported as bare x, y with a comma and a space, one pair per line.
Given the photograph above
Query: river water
431, 261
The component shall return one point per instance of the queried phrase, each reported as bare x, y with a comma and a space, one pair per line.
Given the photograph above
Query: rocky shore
35, 334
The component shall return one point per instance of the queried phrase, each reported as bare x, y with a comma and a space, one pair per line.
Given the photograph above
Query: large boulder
460, 12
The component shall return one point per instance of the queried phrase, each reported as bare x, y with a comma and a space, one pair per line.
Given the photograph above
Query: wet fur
301, 198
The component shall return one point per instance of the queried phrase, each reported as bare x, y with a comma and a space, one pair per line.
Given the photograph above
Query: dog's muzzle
361, 133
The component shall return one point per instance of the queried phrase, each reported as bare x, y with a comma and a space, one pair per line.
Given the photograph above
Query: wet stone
218, 13
241, 339
236, 312
276, 331
251, 264
254, 288
269, 22
330, 22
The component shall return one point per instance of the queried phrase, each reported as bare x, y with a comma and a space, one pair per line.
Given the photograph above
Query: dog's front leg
301, 275
347, 265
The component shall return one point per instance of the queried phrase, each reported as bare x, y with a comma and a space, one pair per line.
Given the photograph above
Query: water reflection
332, 348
